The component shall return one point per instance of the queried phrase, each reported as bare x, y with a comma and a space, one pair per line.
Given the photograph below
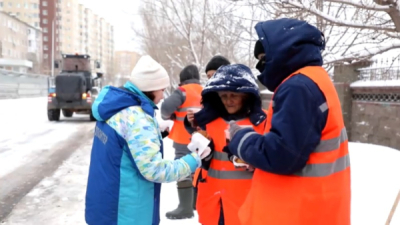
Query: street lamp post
52, 48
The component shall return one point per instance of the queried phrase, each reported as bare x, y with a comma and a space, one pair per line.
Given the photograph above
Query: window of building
30, 43
18, 5
44, 21
44, 3
45, 38
10, 4
45, 56
44, 12
36, 24
45, 47
45, 30
1, 4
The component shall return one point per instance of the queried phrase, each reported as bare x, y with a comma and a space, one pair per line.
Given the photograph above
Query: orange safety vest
224, 184
178, 132
319, 194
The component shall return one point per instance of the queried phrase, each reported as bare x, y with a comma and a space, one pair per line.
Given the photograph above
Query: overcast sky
120, 13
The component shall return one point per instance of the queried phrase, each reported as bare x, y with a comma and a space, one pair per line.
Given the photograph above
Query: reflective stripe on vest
230, 174
319, 169
221, 167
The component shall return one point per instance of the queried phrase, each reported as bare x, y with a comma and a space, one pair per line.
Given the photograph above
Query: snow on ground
25, 131
375, 177
59, 199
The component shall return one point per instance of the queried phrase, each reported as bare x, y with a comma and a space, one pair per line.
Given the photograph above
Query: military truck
75, 88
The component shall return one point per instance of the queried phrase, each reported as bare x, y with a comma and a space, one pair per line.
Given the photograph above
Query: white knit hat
148, 75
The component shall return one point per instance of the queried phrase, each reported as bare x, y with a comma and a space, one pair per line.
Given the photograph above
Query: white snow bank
376, 83
375, 182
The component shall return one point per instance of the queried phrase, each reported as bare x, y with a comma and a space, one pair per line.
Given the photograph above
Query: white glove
198, 143
165, 124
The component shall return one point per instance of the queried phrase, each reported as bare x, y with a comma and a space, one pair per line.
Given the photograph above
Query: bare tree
181, 32
355, 30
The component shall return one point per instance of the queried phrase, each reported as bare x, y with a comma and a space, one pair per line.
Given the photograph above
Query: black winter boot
185, 207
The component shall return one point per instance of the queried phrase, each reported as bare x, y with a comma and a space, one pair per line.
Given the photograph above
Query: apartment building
124, 62
20, 44
77, 30
49, 20
27, 11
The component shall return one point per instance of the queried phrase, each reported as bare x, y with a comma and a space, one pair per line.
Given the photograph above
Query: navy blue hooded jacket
297, 121
235, 78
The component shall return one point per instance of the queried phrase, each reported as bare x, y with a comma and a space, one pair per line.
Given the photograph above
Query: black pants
221, 216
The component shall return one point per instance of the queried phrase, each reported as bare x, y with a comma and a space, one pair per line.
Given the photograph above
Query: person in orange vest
302, 163
201, 174
214, 63
231, 94
186, 96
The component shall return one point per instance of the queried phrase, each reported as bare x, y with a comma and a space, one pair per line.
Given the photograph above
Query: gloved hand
199, 144
233, 129
173, 116
165, 125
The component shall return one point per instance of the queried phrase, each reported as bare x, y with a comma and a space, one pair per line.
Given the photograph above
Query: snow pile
376, 83
375, 182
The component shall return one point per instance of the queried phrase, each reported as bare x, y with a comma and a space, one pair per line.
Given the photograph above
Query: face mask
261, 64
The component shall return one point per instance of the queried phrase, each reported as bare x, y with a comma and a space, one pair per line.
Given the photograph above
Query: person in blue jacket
285, 46
126, 164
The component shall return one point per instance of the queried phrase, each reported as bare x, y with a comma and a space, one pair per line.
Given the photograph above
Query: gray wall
21, 85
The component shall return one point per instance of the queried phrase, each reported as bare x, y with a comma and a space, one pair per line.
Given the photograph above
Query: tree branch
362, 5
311, 9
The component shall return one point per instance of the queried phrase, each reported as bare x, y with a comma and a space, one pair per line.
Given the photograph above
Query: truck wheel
53, 114
67, 113
91, 116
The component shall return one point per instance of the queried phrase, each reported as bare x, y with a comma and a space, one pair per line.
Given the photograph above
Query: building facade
27, 11
77, 30
19, 44
124, 62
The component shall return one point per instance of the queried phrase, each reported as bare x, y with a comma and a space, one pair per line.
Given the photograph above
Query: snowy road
32, 148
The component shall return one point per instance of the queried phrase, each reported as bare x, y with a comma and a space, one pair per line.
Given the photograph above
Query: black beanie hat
216, 62
258, 49
189, 72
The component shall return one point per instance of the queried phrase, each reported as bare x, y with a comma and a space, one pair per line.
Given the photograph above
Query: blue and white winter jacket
126, 165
